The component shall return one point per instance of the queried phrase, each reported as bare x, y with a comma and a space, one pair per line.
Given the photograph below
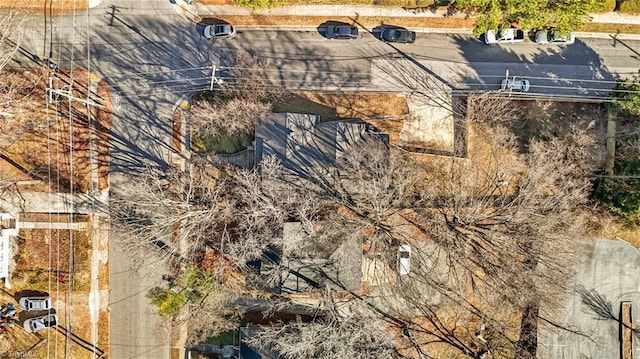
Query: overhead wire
70, 277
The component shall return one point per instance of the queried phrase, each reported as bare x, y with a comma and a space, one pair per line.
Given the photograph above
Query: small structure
301, 142
8, 229
339, 268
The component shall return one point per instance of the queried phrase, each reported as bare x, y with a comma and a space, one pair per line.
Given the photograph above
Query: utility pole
213, 76
68, 94
214, 79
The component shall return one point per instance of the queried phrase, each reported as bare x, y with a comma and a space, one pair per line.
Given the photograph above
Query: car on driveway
398, 34
515, 84
341, 32
36, 324
35, 303
550, 36
404, 259
221, 31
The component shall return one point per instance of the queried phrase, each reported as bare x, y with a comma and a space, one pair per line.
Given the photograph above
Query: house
340, 269
301, 142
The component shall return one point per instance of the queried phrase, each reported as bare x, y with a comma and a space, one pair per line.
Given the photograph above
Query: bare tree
242, 100
492, 231
236, 212
177, 211
11, 32
331, 335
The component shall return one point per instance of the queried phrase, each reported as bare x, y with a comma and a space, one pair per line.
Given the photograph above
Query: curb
429, 30
313, 28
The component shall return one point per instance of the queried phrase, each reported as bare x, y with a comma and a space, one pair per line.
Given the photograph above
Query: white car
35, 303
504, 36
550, 36
404, 259
515, 84
36, 324
224, 31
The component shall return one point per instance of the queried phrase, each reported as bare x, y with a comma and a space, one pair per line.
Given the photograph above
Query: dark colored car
398, 34
342, 32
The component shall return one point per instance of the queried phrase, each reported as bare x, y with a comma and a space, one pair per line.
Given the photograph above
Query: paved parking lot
610, 271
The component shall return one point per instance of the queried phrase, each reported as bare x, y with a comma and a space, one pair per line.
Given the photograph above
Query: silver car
224, 31
550, 36
36, 324
35, 303
515, 84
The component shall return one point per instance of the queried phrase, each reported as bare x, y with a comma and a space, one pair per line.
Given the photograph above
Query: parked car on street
35, 303
341, 32
550, 36
504, 36
398, 34
221, 31
36, 324
404, 259
515, 84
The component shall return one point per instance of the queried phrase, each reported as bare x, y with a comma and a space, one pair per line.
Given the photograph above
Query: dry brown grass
368, 21
32, 259
355, 105
52, 146
611, 28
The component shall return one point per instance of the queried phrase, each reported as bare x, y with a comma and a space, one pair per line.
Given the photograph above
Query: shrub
622, 194
626, 96
260, 4
630, 6
608, 6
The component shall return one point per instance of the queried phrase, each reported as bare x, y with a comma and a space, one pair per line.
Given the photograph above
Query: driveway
607, 274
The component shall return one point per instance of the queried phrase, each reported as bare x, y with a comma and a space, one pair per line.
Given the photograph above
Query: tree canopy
565, 15
626, 96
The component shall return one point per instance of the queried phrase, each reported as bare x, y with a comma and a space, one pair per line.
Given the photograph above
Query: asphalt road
585, 69
151, 56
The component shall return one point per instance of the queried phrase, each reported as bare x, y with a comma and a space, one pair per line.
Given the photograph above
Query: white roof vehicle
550, 36
404, 259
35, 303
219, 31
508, 36
36, 324
515, 84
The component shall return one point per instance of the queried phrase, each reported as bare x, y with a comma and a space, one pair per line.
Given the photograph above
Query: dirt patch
550, 117
611, 28
355, 105
44, 254
335, 106
51, 143
391, 127
44, 6
367, 21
